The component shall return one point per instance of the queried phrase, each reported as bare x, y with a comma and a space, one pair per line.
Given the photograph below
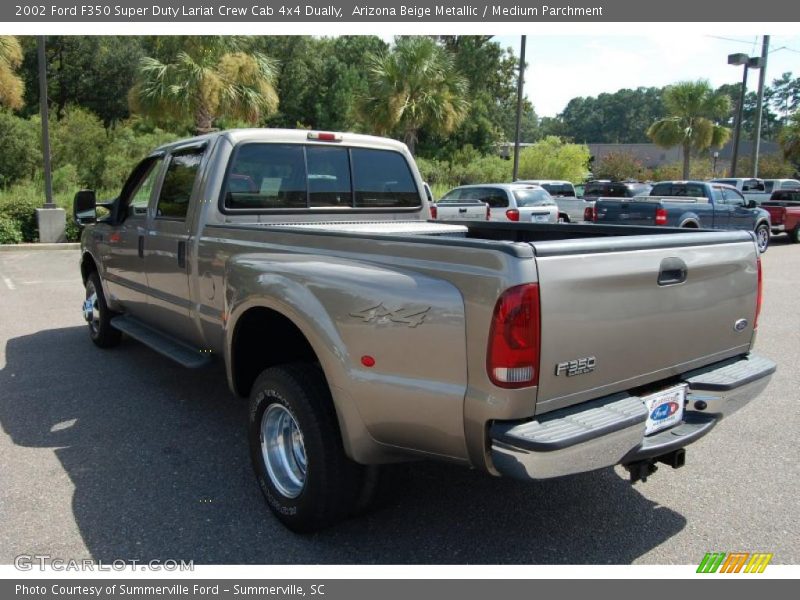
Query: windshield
533, 198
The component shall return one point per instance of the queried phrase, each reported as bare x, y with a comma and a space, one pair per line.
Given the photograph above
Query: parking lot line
9, 284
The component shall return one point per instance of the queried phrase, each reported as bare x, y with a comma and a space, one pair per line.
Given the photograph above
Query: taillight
512, 360
588, 214
434, 212
759, 293
512, 214
661, 216
488, 212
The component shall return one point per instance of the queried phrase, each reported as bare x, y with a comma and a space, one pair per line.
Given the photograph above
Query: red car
784, 212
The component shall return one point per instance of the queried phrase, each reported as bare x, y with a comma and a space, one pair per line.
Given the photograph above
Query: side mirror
752, 204
84, 207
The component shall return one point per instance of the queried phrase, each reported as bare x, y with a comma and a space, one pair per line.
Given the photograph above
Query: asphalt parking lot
122, 454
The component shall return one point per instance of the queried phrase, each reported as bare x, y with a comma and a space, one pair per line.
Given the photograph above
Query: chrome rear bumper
610, 430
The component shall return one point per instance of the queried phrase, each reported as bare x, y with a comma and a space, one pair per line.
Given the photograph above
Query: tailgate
461, 212
625, 211
639, 309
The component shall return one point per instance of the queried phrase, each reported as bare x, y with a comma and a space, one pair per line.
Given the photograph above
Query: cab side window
732, 197
176, 191
137, 190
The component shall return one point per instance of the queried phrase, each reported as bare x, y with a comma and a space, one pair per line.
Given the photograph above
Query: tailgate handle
462, 210
673, 270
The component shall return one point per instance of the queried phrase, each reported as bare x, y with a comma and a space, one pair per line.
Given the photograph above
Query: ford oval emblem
740, 325
664, 411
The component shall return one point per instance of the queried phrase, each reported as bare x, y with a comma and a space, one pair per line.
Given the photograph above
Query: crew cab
687, 204
784, 212
364, 333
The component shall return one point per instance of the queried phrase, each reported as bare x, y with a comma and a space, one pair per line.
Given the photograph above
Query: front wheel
762, 237
98, 315
297, 452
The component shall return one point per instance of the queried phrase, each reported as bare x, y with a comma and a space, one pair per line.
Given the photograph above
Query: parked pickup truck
752, 188
687, 204
784, 211
363, 333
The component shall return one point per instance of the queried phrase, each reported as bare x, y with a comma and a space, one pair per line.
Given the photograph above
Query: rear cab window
263, 177
559, 189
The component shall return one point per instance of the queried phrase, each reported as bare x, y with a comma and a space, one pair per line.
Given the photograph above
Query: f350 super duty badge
403, 316
579, 366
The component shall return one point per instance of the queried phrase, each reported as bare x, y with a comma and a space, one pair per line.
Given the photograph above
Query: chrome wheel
283, 450
762, 238
91, 309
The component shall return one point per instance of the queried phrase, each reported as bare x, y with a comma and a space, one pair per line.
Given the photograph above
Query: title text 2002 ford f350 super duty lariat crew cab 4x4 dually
363, 333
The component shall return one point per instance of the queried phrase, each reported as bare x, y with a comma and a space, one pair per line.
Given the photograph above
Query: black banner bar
366, 11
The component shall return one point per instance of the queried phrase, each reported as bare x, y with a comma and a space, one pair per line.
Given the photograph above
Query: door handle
141, 246
182, 255
673, 270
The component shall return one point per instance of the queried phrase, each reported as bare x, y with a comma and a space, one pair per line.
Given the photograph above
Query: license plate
664, 409
540, 218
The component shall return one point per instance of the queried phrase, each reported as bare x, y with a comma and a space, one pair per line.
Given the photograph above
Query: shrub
619, 166
10, 232
19, 204
552, 158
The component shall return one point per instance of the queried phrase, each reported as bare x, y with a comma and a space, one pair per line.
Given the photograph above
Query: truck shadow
158, 458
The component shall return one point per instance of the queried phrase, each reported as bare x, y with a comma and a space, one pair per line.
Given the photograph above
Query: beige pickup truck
363, 333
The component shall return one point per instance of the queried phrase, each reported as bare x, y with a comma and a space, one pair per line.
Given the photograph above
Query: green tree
693, 110
618, 118
553, 158
414, 86
209, 77
790, 139
784, 95
11, 86
19, 150
93, 72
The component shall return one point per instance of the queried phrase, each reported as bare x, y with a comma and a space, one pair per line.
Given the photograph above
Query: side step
181, 353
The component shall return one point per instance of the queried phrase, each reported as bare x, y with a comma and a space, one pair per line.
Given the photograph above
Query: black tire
794, 235
332, 484
762, 237
100, 329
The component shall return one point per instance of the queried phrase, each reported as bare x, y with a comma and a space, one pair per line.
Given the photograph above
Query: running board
181, 353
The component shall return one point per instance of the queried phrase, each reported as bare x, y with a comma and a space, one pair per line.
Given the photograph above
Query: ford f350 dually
363, 333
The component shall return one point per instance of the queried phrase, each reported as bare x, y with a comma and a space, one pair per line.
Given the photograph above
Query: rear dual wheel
297, 452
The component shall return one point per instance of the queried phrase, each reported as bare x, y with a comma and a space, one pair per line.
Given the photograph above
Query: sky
562, 67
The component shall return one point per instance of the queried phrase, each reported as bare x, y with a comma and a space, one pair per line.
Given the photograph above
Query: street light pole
520, 84
760, 110
737, 128
48, 183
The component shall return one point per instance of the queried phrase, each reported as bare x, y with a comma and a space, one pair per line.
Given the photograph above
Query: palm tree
415, 86
693, 111
208, 78
11, 86
790, 139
